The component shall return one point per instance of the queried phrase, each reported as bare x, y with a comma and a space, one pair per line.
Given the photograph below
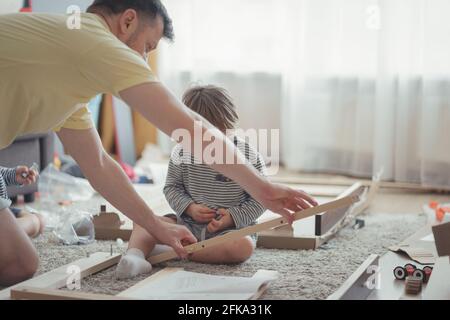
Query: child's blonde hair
214, 104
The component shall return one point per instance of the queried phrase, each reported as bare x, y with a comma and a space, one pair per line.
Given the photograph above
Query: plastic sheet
58, 191
57, 187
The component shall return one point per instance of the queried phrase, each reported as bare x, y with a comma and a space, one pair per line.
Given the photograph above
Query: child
206, 202
32, 224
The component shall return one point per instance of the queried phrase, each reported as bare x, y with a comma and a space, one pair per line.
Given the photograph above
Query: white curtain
354, 85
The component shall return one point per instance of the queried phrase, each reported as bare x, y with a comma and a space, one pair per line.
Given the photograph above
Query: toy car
409, 269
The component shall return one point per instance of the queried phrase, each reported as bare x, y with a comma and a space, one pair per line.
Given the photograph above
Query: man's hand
25, 175
200, 213
284, 200
224, 221
173, 235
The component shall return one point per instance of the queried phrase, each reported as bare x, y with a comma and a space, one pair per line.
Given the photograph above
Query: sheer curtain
354, 85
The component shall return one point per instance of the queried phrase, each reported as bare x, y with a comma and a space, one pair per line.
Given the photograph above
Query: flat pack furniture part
58, 277
350, 181
31, 293
354, 211
326, 224
361, 283
237, 234
441, 234
326, 220
423, 252
110, 225
132, 293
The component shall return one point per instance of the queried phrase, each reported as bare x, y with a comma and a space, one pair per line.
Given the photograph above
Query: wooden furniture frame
327, 223
46, 286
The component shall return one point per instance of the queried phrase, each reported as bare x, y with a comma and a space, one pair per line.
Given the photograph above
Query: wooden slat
57, 278
364, 182
327, 220
318, 190
346, 201
31, 293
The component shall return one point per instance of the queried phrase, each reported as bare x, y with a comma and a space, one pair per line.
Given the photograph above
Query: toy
413, 285
410, 270
439, 210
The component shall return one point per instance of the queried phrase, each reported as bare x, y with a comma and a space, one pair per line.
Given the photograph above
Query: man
49, 71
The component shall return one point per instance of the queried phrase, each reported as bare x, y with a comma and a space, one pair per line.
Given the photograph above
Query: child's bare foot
32, 223
41, 223
131, 264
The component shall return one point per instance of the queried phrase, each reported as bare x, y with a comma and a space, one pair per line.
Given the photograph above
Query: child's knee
241, 250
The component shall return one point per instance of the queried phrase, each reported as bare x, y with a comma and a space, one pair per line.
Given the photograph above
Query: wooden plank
31, 293
113, 233
327, 220
346, 201
364, 182
319, 190
273, 240
160, 274
359, 286
57, 278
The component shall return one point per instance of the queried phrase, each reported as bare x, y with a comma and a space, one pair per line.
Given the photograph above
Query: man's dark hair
150, 8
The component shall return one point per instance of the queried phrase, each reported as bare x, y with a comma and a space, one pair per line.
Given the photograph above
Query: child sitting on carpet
32, 224
206, 202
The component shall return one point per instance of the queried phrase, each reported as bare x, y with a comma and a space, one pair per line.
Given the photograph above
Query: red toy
439, 210
410, 270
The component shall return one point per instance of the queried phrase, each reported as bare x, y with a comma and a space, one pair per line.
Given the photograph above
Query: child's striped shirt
189, 182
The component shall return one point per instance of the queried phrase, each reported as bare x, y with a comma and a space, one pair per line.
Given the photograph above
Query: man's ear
128, 22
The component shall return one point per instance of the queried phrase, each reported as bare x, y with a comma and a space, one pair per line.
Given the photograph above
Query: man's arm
163, 109
106, 176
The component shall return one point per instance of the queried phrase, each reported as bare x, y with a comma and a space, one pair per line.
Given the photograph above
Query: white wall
59, 6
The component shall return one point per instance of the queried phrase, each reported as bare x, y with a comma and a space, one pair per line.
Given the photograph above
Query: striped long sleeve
189, 182
247, 212
9, 175
174, 190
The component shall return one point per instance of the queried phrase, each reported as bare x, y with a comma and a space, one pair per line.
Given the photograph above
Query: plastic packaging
433, 214
69, 224
57, 187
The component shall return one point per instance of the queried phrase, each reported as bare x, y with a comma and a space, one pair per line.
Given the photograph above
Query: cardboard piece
441, 234
418, 254
417, 249
108, 226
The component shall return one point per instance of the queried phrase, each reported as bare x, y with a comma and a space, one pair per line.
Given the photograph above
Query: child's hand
200, 213
25, 175
225, 221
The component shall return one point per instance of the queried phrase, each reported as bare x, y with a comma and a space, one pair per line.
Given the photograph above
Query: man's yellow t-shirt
49, 72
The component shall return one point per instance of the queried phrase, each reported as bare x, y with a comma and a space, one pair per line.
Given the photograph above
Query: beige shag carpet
303, 274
